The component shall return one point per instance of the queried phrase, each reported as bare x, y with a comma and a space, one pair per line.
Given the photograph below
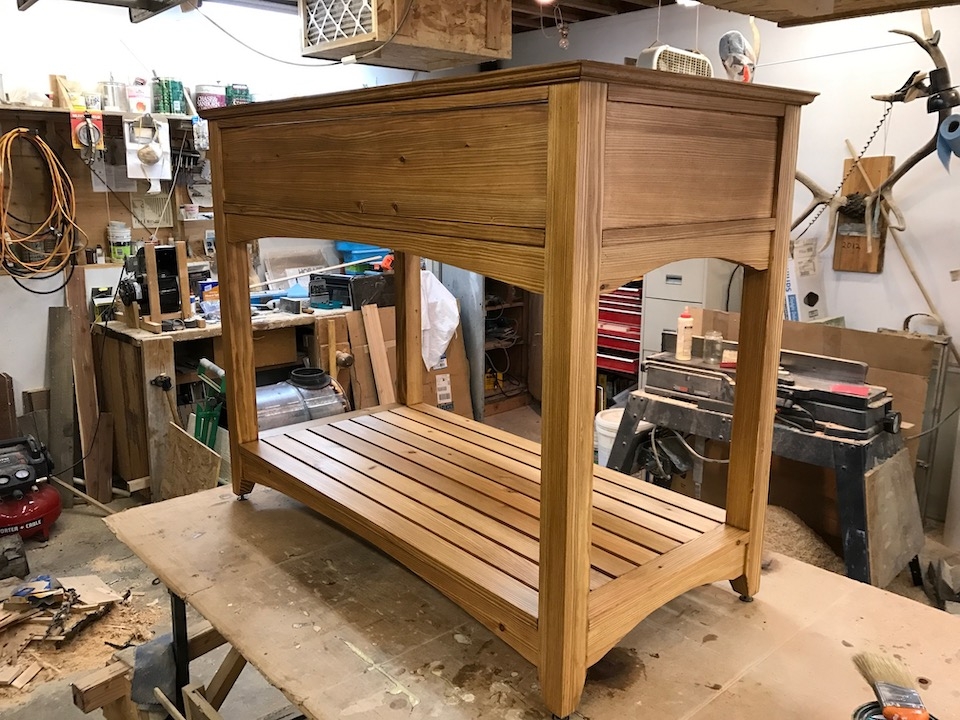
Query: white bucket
605, 428
605, 432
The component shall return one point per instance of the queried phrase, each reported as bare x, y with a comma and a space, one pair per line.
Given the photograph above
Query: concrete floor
82, 544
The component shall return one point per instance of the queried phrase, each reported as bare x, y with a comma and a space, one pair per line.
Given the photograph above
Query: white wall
87, 42
928, 196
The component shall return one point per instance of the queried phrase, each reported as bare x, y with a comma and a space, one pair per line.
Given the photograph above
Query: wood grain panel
393, 223
525, 267
674, 98
466, 166
668, 166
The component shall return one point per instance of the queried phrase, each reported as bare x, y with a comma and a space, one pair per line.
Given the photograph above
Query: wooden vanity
566, 180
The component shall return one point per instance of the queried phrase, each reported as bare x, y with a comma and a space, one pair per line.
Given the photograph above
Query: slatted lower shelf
458, 503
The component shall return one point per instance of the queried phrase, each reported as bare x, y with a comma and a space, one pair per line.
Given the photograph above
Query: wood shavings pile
787, 534
24, 657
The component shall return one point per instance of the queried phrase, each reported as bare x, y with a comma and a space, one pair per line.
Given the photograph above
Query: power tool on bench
28, 505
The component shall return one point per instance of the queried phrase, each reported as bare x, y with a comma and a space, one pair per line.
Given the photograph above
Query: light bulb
564, 36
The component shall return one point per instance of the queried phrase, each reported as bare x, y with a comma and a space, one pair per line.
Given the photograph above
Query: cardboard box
804, 301
447, 386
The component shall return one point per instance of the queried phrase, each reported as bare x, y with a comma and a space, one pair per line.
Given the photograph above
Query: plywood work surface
345, 632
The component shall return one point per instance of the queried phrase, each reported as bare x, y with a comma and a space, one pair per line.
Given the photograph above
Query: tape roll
948, 140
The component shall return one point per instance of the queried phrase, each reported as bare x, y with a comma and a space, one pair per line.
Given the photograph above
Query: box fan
670, 59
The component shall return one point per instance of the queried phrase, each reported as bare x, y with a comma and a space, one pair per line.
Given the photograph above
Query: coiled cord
32, 255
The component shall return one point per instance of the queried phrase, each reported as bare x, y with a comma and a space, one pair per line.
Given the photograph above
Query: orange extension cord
60, 224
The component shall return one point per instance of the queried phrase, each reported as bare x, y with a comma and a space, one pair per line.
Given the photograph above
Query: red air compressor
27, 506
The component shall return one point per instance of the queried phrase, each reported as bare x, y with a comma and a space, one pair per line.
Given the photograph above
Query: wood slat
504, 605
682, 501
482, 460
462, 487
385, 498
622, 489
329, 441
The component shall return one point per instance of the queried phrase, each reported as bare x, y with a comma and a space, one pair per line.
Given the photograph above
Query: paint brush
892, 685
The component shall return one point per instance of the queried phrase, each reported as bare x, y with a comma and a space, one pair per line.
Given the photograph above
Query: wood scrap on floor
191, 466
47, 613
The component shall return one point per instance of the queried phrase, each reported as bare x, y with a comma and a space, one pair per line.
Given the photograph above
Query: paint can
238, 94
168, 95
113, 95
210, 96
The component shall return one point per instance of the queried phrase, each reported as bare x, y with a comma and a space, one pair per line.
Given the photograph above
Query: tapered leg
761, 325
571, 304
233, 267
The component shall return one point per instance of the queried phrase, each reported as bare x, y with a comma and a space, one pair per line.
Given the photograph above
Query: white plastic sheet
439, 318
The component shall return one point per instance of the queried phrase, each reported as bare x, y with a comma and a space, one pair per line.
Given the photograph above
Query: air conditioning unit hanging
410, 34
670, 59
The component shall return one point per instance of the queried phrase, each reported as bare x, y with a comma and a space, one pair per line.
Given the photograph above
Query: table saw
827, 415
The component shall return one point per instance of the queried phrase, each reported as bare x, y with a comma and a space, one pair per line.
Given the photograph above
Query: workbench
880, 521
343, 631
128, 359
567, 180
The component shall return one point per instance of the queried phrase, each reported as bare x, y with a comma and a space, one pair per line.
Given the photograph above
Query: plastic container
713, 347
685, 335
352, 251
605, 432
605, 426
210, 96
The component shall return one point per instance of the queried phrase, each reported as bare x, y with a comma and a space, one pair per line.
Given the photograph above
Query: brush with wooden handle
892, 685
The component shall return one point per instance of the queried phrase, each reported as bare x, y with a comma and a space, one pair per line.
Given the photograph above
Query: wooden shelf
504, 306
24, 109
501, 344
462, 500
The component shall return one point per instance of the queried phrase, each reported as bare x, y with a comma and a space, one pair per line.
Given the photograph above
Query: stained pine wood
465, 496
233, 265
761, 323
378, 355
590, 174
651, 151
